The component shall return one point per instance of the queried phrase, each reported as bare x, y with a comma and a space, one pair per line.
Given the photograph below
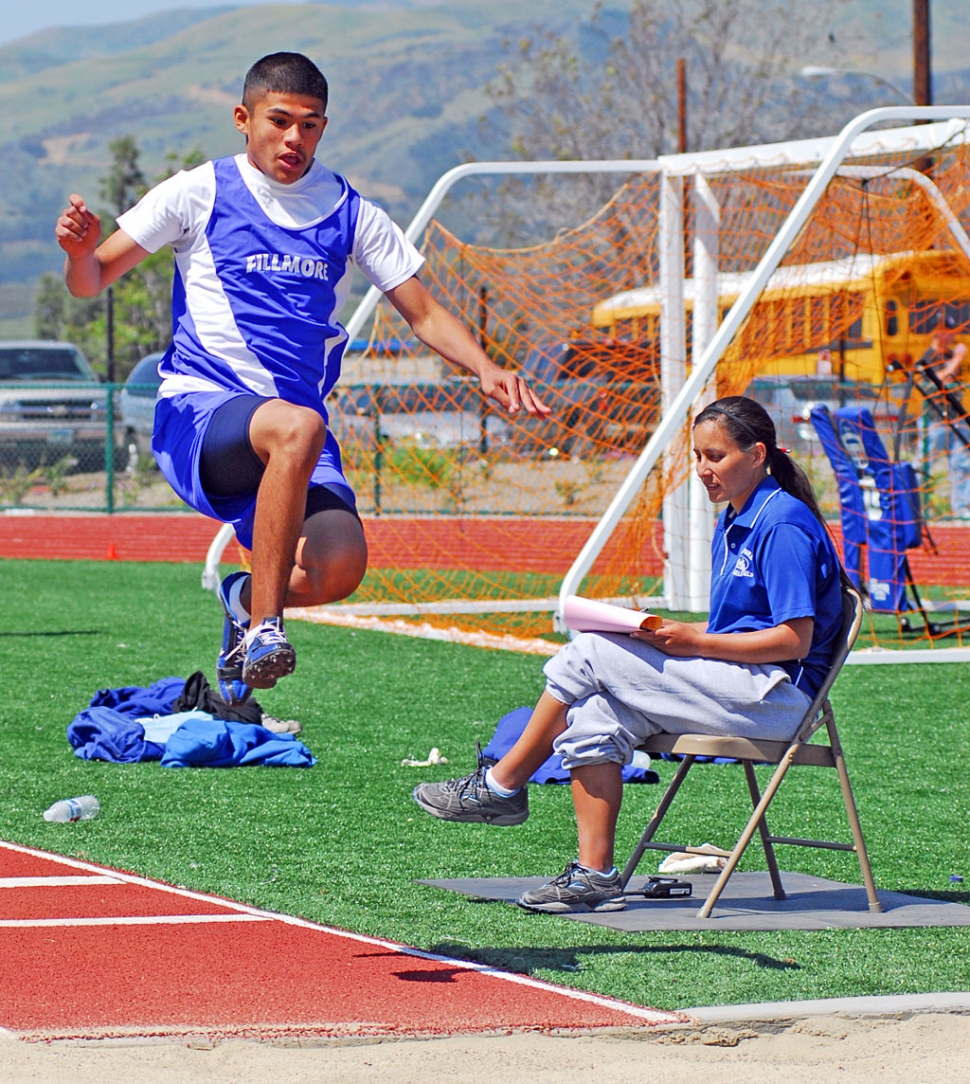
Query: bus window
925, 316
957, 314
800, 325
842, 307
820, 329
929, 313
892, 318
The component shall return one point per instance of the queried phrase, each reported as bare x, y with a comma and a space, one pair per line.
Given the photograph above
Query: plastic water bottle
73, 809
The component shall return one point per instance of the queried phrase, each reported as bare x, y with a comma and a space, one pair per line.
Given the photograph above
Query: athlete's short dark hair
285, 73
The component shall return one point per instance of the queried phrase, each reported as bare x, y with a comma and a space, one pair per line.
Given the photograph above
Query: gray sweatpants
620, 691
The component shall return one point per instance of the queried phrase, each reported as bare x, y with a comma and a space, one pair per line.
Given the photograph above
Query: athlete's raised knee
330, 564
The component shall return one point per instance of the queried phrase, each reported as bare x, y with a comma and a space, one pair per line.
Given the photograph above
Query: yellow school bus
865, 318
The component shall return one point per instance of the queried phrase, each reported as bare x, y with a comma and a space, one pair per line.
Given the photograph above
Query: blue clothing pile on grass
183, 724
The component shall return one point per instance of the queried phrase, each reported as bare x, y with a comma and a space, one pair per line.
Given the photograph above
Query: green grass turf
342, 844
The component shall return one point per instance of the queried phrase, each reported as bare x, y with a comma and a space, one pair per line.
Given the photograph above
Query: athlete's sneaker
469, 799
268, 655
229, 664
576, 889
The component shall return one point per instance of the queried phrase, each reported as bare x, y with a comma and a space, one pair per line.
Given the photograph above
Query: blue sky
19, 20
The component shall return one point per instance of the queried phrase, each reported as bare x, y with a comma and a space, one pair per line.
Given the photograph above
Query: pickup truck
52, 406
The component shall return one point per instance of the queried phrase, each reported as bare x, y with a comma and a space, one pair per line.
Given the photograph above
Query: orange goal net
854, 343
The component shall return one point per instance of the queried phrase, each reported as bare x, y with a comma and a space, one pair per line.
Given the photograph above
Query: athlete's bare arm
91, 266
437, 328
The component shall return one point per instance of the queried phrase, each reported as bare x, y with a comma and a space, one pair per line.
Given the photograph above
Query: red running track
497, 544
88, 951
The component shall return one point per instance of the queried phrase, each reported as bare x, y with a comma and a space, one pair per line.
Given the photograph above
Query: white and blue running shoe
267, 654
229, 664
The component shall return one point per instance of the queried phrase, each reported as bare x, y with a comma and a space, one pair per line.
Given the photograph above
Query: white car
790, 399
433, 414
138, 405
52, 406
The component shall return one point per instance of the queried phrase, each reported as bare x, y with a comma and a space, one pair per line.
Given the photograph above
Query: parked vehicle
866, 315
138, 406
789, 401
444, 414
604, 395
52, 407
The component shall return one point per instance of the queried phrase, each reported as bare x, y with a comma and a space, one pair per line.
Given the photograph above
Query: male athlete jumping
265, 246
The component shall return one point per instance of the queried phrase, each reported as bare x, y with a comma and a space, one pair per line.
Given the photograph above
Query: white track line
648, 1016
56, 882
424, 631
129, 920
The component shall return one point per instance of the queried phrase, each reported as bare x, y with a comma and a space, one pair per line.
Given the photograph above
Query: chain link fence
82, 447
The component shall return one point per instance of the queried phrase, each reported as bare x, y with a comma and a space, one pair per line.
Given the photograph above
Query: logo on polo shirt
305, 266
742, 566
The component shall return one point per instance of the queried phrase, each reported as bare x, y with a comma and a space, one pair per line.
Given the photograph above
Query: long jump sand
930, 1047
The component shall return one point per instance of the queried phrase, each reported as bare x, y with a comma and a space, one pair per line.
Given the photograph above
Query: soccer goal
818, 276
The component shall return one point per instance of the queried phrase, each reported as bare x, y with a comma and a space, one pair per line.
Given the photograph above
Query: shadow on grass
527, 961
962, 896
66, 632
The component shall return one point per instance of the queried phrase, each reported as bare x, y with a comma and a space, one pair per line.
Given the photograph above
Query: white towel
712, 861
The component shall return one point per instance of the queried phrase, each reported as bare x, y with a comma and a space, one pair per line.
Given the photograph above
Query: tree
610, 92
79, 320
125, 181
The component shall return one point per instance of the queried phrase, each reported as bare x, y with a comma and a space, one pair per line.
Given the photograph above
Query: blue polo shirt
772, 562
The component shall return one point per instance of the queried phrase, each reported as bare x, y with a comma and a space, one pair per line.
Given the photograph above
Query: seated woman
750, 671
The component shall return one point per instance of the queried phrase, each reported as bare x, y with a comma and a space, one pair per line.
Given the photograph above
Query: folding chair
784, 754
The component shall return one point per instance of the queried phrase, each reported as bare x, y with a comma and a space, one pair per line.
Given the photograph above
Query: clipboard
588, 615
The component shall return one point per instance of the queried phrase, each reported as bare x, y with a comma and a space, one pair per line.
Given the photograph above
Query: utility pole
682, 149
922, 75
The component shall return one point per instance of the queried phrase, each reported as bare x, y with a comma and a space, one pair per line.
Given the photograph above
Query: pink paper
588, 615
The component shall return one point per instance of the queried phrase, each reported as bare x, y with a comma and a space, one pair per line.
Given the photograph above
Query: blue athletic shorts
217, 473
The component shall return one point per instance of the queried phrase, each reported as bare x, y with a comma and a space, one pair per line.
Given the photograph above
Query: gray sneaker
469, 799
576, 889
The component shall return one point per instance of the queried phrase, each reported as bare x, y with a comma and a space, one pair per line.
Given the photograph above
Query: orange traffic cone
112, 554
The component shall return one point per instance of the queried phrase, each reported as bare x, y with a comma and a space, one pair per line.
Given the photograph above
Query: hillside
407, 93
406, 99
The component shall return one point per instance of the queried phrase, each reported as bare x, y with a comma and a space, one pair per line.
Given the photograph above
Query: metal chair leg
855, 825
773, 871
648, 833
746, 835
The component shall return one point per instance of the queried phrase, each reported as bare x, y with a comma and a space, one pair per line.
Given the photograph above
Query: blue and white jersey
262, 269
774, 562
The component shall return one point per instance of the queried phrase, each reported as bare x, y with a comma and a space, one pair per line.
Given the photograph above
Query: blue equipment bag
879, 502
